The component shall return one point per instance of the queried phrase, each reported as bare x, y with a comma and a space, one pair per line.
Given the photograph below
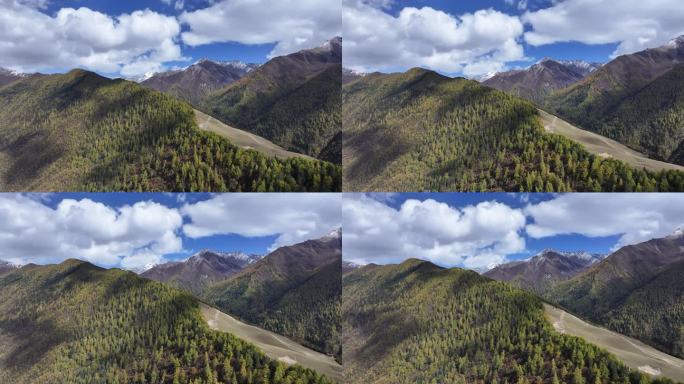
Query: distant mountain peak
238, 255
677, 233
583, 255
676, 42
334, 234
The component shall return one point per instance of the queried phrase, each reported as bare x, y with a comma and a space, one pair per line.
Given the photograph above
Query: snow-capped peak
12, 72
676, 42
334, 234
249, 258
677, 233
582, 255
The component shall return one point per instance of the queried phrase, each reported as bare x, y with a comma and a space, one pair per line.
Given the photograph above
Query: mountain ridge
543, 270
200, 270
605, 292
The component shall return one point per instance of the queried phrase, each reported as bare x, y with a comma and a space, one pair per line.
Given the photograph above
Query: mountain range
7, 76
6, 266
291, 100
81, 131
200, 270
635, 99
294, 290
419, 130
543, 270
198, 80
637, 291
539, 81
419, 323
74, 322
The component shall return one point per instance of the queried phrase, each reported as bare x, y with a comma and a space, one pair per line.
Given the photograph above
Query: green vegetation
76, 323
300, 115
645, 115
80, 131
288, 298
649, 308
422, 131
418, 323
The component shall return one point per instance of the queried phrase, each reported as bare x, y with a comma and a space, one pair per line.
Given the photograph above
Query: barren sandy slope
243, 139
273, 345
632, 352
602, 146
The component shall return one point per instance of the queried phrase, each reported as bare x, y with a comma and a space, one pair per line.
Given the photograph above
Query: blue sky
481, 230
479, 37
137, 230
134, 39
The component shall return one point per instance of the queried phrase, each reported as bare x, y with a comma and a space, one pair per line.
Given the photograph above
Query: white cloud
634, 24
634, 217
130, 44
474, 236
473, 43
130, 236
292, 24
293, 217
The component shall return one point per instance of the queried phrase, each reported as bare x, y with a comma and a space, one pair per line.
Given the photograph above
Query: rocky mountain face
7, 76
200, 270
545, 269
348, 266
539, 81
294, 290
198, 80
6, 266
349, 75
637, 291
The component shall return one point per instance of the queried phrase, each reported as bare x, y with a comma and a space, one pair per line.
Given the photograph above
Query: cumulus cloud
633, 217
633, 24
475, 236
293, 217
291, 24
473, 43
131, 44
131, 236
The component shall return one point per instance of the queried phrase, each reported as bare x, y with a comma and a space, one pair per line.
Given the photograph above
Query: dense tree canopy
418, 323
422, 131
76, 323
80, 131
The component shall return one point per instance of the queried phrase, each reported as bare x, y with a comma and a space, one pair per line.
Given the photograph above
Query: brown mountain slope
543, 270
200, 270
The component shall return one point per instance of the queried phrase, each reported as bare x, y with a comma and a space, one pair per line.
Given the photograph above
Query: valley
602, 146
275, 346
632, 352
243, 139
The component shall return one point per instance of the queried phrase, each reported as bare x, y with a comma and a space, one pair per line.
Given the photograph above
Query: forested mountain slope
542, 79
294, 290
199, 271
422, 131
418, 323
637, 291
293, 100
542, 271
80, 131
635, 99
76, 323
